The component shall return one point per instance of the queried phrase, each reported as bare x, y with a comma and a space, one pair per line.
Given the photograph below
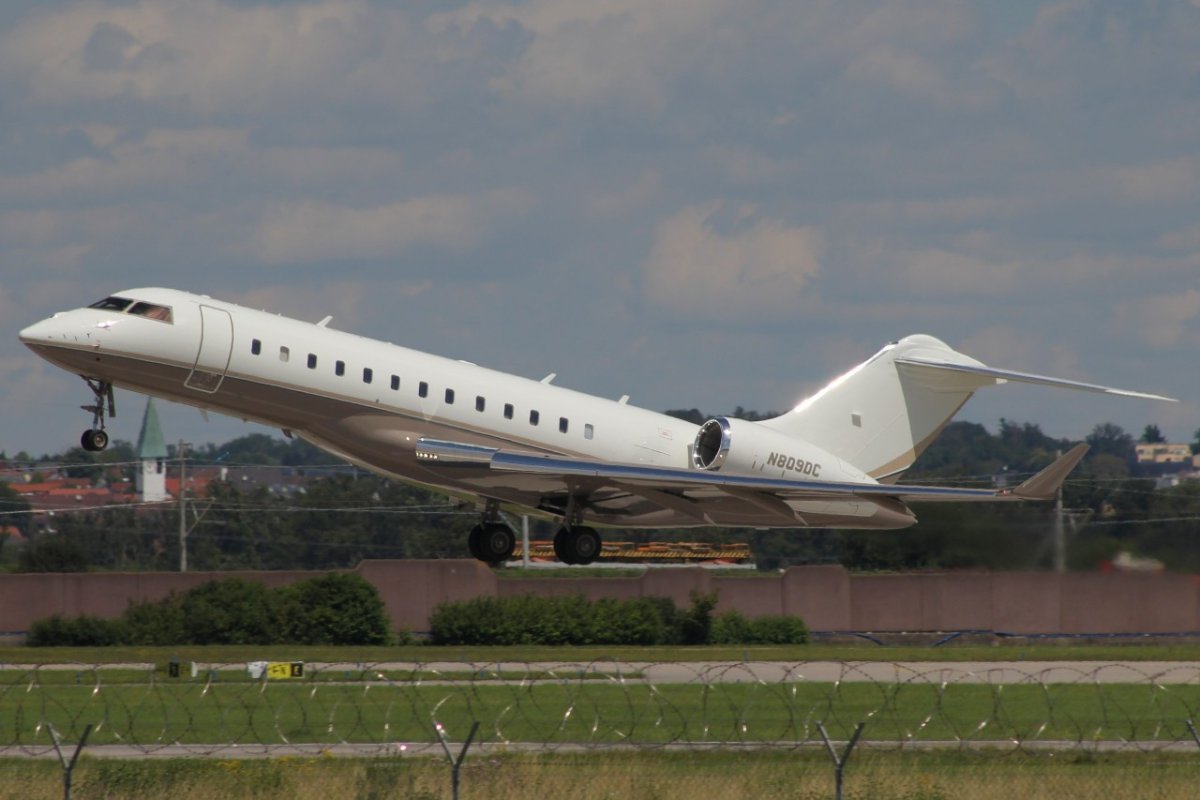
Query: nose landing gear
95, 438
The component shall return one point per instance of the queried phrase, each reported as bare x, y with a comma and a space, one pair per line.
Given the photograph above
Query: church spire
152, 450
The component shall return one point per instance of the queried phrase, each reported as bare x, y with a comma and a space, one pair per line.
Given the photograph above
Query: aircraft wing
672, 487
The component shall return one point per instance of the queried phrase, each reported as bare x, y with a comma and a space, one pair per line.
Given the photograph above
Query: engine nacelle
747, 448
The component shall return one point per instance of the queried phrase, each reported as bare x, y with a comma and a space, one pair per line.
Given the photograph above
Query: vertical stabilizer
882, 414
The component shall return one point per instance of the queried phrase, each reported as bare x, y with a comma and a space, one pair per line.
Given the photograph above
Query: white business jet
831, 462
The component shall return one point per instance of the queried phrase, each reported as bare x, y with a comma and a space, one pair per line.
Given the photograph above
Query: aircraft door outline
215, 352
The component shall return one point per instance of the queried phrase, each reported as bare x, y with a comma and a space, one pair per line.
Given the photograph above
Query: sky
699, 203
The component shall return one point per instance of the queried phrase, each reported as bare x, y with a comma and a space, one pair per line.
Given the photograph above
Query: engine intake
712, 444
741, 446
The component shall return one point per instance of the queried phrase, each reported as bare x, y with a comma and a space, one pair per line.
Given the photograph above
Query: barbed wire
387, 708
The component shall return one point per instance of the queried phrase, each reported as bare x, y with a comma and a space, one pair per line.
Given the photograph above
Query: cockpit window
112, 304
151, 310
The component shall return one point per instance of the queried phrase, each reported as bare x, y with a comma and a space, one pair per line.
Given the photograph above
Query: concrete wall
828, 598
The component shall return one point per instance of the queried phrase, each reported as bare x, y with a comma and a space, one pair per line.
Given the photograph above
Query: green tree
1151, 435
1110, 439
52, 553
341, 608
15, 510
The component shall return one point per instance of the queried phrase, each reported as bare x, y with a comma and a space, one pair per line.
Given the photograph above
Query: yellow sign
282, 670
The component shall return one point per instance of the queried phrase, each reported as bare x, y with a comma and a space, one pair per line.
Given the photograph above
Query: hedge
531, 619
340, 608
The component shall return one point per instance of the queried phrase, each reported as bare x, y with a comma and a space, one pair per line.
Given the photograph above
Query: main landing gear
493, 541
577, 544
95, 438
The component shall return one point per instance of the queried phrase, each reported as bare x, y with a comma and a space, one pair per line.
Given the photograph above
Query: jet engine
748, 448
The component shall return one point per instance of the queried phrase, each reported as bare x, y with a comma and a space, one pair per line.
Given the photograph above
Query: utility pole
183, 505
525, 541
1060, 540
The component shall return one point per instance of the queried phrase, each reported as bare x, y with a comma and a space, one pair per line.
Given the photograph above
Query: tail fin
882, 414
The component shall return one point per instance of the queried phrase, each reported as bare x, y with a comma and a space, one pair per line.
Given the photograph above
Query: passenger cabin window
449, 397
395, 383
151, 311
255, 346
367, 375
588, 431
112, 304
423, 389
508, 410
562, 424
312, 361
480, 403
533, 417
339, 367
285, 354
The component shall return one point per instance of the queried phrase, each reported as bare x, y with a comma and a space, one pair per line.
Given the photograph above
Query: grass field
608, 712
144, 707
806, 775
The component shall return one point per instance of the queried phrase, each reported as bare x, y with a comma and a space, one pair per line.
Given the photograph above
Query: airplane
512, 443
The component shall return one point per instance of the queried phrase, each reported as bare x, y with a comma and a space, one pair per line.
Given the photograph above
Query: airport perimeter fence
456, 710
387, 709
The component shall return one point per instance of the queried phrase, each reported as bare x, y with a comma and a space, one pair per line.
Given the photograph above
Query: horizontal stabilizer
1045, 484
1001, 375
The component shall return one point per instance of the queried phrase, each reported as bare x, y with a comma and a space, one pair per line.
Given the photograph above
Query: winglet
1044, 485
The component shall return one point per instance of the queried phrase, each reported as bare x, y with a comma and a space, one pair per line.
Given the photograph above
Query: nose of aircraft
39, 332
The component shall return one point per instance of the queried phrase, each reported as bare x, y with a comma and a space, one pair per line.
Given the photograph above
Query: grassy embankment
803, 775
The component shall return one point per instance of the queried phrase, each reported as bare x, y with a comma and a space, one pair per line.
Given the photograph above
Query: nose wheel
95, 439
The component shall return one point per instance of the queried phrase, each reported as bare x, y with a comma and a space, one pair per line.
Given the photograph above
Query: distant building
1164, 453
152, 452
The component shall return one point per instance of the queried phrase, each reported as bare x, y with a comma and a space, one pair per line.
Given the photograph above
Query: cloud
1163, 321
1008, 347
963, 271
1184, 239
582, 54
158, 159
759, 269
312, 231
203, 56
1159, 181
628, 198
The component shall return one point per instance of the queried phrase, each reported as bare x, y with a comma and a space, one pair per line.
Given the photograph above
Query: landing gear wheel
473, 542
586, 543
562, 549
494, 542
579, 545
94, 440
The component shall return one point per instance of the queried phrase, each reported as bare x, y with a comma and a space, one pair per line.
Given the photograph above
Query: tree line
346, 515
